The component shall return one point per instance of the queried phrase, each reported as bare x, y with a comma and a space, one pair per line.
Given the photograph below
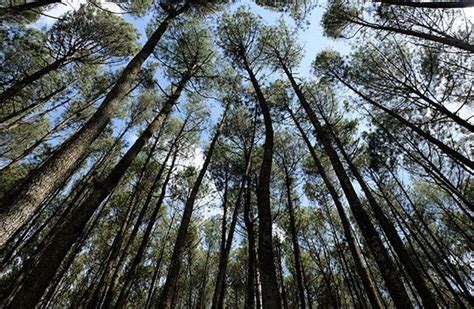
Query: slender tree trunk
21, 8
284, 295
418, 34
115, 271
29, 79
132, 272
218, 297
441, 108
373, 240
165, 300
201, 301
443, 147
308, 290
270, 292
415, 234
23, 111
361, 269
391, 233
221, 272
294, 239
42, 270
431, 4
430, 169
219, 292
110, 265
158, 265
252, 255
21, 203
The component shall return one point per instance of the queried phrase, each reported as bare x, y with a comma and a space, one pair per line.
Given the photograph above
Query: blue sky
311, 36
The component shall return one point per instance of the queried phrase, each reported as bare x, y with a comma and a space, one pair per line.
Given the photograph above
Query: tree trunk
443, 147
21, 203
270, 291
418, 34
284, 296
294, 240
132, 272
110, 268
219, 292
391, 233
361, 269
158, 265
165, 300
18, 9
252, 255
430, 4
29, 79
201, 301
218, 297
41, 272
385, 264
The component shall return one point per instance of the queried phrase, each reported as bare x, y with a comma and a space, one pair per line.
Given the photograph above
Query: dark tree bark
361, 269
158, 265
29, 79
252, 254
166, 297
430, 4
390, 231
21, 203
374, 242
27, 6
270, 291
41, 270
132, 272
218, 296
294, 239
219, 292
284, 295
200, 303
449, 41
443, 147
113, 275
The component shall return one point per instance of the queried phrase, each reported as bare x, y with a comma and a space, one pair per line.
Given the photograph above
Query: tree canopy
220, 154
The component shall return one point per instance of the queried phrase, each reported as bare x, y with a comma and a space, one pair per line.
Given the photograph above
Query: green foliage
76, 36
338, 17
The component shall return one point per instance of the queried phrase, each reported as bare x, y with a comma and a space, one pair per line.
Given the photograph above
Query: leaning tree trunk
442, 146
417, 34
294, 239
117, 269
384, 262
270, 291
21, 203
159, 263
41, 271
133, 270
430, 4
27, 6
14, 89
361, 269
389, 229
166, 297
